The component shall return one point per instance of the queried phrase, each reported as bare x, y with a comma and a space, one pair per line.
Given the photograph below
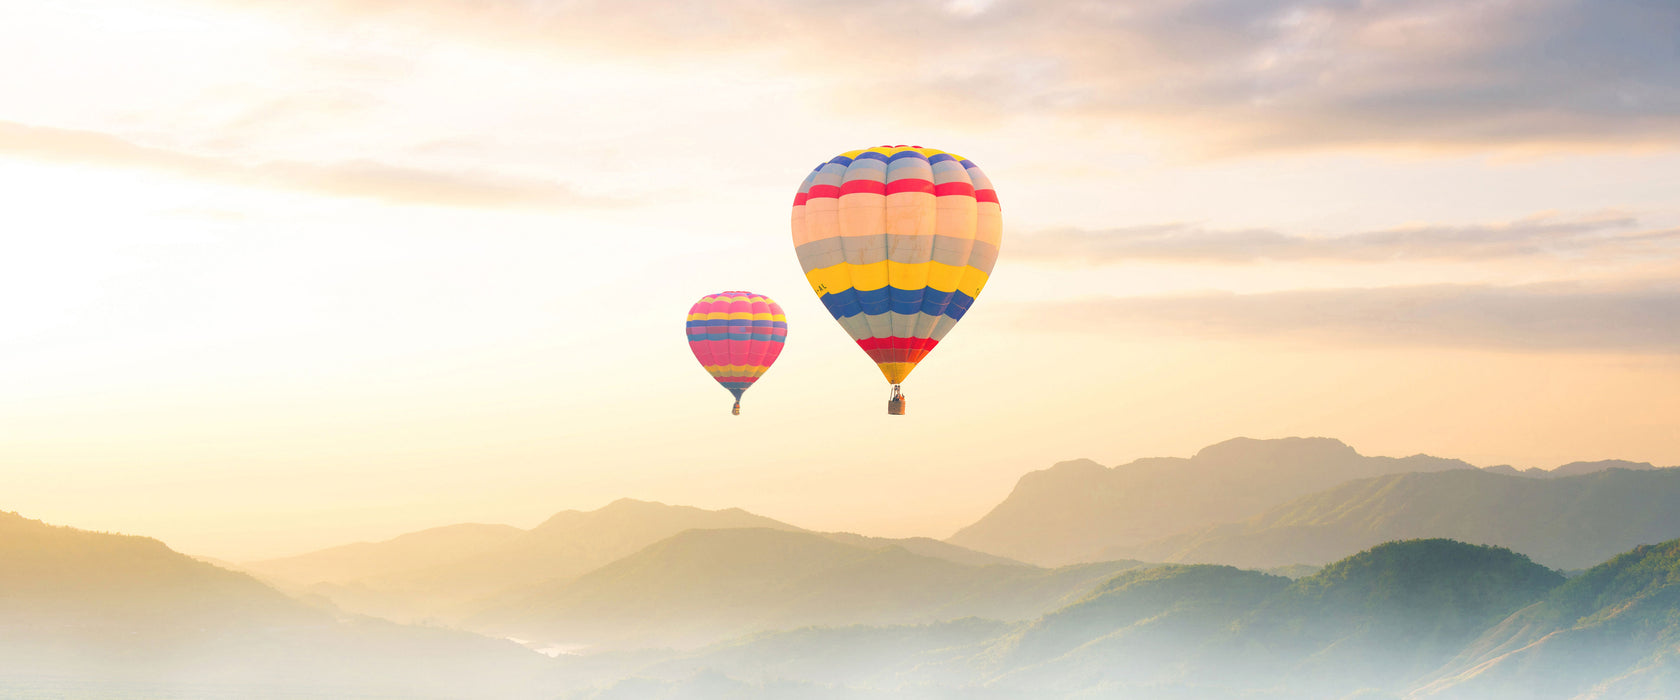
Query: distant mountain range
749, 610
1571, 469
703, 586
444, 573
1309, 501
1078, 511
1569, 522
448, 574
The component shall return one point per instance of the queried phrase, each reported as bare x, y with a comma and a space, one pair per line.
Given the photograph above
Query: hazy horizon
277, 277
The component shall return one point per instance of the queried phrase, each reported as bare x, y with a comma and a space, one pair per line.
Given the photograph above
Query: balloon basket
736, 410
895, 404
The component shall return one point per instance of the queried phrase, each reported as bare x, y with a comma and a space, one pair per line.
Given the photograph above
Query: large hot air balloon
736, 336
897, 241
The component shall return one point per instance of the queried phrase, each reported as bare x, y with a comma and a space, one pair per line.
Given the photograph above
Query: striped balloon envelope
736, 336
897, 242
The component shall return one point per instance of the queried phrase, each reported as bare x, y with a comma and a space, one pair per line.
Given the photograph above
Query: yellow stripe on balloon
945, 278
736, 370
739, 316
895, 372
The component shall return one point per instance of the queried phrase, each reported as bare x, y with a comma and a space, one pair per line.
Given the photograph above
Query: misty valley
1292, 568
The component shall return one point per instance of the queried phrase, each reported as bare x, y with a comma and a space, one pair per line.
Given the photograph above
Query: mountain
702, 586
1612, 632
413, 551
1566, 522
60, 576
443, 573
87, 614
1571, 469
1076, 510
1579, 468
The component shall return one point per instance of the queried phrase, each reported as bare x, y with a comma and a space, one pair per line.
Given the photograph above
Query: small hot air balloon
736, 336
897, 241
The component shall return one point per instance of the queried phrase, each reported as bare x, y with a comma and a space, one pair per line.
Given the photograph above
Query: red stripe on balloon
862, 187
951, 188
910, 184
895, 343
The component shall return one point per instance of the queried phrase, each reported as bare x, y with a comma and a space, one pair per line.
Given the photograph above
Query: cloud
1238, 74
1551, 317
366, 179
1543, 235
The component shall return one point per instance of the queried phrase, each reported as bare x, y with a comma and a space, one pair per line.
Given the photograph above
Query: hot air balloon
736, 336
897, 241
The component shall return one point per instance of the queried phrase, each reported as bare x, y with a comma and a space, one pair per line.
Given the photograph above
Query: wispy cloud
1552, 317
365, 178
1239, 74
1545, 235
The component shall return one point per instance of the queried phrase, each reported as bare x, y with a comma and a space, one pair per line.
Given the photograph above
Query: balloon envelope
736, 336
897, 241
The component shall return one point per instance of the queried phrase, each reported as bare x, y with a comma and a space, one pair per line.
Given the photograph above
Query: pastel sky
282, 275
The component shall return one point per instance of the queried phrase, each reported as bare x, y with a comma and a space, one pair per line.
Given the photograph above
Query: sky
276, 276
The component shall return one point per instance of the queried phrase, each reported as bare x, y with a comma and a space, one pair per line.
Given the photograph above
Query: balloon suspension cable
736, 410
895, 392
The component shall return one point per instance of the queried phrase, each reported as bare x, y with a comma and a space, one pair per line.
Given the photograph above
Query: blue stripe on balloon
941, 157
904, 301
906, 154
842, 304
934, 302
872, 155
875, 302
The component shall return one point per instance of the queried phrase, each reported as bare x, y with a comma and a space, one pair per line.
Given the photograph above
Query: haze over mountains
646, 600
1414, 619
442, 573
704, 586
85, 614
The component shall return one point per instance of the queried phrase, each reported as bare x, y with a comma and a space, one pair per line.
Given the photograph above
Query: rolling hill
87, 614
702, 586
1079, 511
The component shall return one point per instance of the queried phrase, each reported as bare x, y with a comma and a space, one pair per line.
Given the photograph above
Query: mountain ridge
1568, 522
1077, 509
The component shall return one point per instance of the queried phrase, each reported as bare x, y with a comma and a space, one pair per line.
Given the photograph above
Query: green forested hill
1612, 632
1370, 625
